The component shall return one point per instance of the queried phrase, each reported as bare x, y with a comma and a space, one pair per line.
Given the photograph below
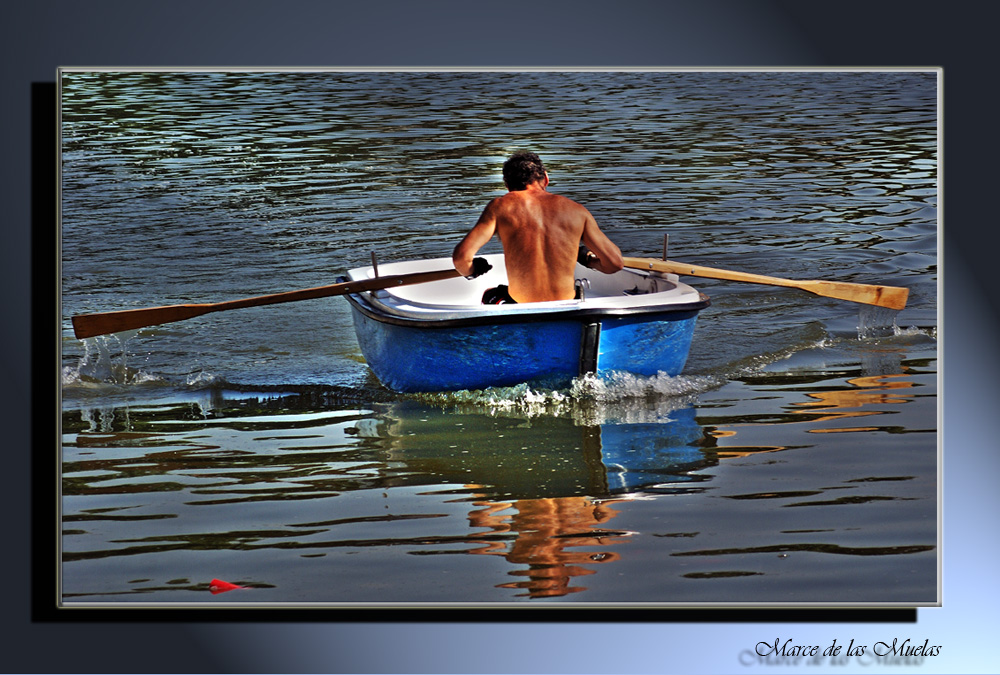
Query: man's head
522, 169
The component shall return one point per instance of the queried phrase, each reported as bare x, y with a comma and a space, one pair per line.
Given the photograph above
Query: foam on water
590, 399
616, 386
200, 380
915, 331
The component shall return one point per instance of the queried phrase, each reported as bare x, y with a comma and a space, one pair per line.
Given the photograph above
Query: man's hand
585, 256
479, 268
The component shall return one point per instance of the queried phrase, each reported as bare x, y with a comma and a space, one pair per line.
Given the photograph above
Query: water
794, 461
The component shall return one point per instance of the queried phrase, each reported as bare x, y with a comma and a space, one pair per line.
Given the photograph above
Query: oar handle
688, 269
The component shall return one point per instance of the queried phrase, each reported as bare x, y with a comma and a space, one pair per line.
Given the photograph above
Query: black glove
479, 268
584, 256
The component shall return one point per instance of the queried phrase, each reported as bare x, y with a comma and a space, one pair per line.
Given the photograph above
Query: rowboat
438, 336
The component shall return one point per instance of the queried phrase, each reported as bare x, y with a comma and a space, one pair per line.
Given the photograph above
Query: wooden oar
893, 297
90, 325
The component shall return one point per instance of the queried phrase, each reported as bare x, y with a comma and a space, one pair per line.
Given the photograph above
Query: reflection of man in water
544, 529
541, 234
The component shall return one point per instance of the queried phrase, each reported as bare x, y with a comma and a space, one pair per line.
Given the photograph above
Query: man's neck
537, 186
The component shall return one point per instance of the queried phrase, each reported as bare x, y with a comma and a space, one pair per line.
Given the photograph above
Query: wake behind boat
438, 336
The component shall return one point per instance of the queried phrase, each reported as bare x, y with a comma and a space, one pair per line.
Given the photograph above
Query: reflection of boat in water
438, 336
505, 456
638, 456
543, 488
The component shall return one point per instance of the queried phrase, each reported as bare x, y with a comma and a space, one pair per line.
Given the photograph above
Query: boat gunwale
362, 303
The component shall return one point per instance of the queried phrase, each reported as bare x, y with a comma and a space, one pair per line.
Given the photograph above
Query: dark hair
522, 169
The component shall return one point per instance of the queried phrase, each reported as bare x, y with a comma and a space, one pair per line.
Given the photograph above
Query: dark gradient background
38, 37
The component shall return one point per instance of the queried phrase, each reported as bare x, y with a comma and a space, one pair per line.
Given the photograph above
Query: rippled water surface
794, 461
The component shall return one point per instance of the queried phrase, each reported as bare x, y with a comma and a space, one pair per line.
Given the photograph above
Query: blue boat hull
419, 356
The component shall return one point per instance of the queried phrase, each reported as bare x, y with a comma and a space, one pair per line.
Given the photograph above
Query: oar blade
92, 325
890, 297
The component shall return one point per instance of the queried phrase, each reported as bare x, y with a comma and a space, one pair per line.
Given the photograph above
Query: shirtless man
541, 234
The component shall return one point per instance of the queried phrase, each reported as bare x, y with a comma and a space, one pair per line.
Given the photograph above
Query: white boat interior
460, 297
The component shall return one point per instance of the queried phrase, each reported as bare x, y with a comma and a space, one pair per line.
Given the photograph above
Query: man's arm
477, 237
608, 256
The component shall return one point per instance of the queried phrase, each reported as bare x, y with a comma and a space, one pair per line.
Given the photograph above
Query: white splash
200, 379
105, 361
618, 386
590, 399
876, 322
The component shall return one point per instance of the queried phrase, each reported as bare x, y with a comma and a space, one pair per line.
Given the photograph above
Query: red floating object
219, 586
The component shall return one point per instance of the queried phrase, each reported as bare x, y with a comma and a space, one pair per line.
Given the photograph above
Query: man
541, 234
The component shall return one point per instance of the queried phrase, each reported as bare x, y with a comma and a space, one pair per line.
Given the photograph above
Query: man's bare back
540, 233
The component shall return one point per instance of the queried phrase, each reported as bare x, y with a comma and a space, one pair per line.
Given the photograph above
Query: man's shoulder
564, 200
567, 204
